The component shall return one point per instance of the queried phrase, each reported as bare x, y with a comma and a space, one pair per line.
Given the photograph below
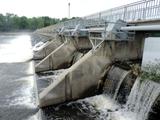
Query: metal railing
141, 10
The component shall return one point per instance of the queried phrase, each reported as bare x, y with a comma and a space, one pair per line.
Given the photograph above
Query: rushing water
142, 98
44, 79
98, 107
17, 86
104, 107
18, 90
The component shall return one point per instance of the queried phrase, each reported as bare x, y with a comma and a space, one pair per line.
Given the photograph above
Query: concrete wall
64, 56
82, 77
81, 43
60, 59
53, 44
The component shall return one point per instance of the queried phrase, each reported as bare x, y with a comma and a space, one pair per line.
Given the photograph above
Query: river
18, 91
17, 83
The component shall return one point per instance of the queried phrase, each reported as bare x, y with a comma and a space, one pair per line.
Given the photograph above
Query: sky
58, 8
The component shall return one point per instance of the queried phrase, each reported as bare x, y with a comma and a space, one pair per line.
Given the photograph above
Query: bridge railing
141, 10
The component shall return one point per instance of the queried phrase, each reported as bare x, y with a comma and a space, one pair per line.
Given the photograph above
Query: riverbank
17, 33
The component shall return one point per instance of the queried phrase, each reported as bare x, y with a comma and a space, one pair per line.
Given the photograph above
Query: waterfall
142, 97
114, 80
120, 82
144, 93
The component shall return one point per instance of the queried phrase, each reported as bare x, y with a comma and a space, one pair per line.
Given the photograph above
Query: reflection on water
17, 49
17, 86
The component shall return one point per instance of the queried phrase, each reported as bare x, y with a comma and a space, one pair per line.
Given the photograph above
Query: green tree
12, 22
2, 22
23, 24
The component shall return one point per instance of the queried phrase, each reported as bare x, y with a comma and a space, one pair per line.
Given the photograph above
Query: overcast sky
58, 8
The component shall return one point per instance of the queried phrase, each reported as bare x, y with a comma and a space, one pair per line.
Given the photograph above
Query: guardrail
141, 10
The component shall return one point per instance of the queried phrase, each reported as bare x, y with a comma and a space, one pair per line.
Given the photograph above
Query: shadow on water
79, 110
155, 110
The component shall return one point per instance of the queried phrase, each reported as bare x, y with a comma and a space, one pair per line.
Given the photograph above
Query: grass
151, 71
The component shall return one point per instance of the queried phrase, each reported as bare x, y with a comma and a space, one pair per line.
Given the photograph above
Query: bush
151, 71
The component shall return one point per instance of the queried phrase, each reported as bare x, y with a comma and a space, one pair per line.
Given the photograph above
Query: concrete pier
68, 52
83, 76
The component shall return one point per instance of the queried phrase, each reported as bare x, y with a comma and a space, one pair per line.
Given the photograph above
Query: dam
108, 60
104, 66
105, 60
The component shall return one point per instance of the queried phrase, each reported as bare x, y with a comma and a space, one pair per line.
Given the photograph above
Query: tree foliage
12, 22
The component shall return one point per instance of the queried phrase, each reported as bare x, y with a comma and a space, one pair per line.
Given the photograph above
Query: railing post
124, 13
111, 16
99, 15
144, 10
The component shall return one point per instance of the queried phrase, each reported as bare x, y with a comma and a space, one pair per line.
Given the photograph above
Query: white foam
102, 102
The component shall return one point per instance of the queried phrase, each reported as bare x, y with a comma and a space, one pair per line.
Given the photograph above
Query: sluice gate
101, 54
85, 53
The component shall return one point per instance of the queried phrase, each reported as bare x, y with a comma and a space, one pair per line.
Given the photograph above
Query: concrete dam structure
102, 54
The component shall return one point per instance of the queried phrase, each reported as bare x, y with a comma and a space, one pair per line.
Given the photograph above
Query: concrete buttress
82, 77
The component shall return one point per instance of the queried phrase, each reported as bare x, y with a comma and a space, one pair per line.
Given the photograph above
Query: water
44, 79
17, 85
71, 111
142, 97
113, 81
18, 93
98, 107
144, 93
104, 107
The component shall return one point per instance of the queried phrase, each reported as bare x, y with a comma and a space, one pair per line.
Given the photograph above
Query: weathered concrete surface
81, 43
37, 37
81, 77
77, 80
60, 59
52, 45
65, 56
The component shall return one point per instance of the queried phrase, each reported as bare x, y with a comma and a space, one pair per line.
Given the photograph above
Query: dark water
97, 107
71, 111
76, 110
17, 85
